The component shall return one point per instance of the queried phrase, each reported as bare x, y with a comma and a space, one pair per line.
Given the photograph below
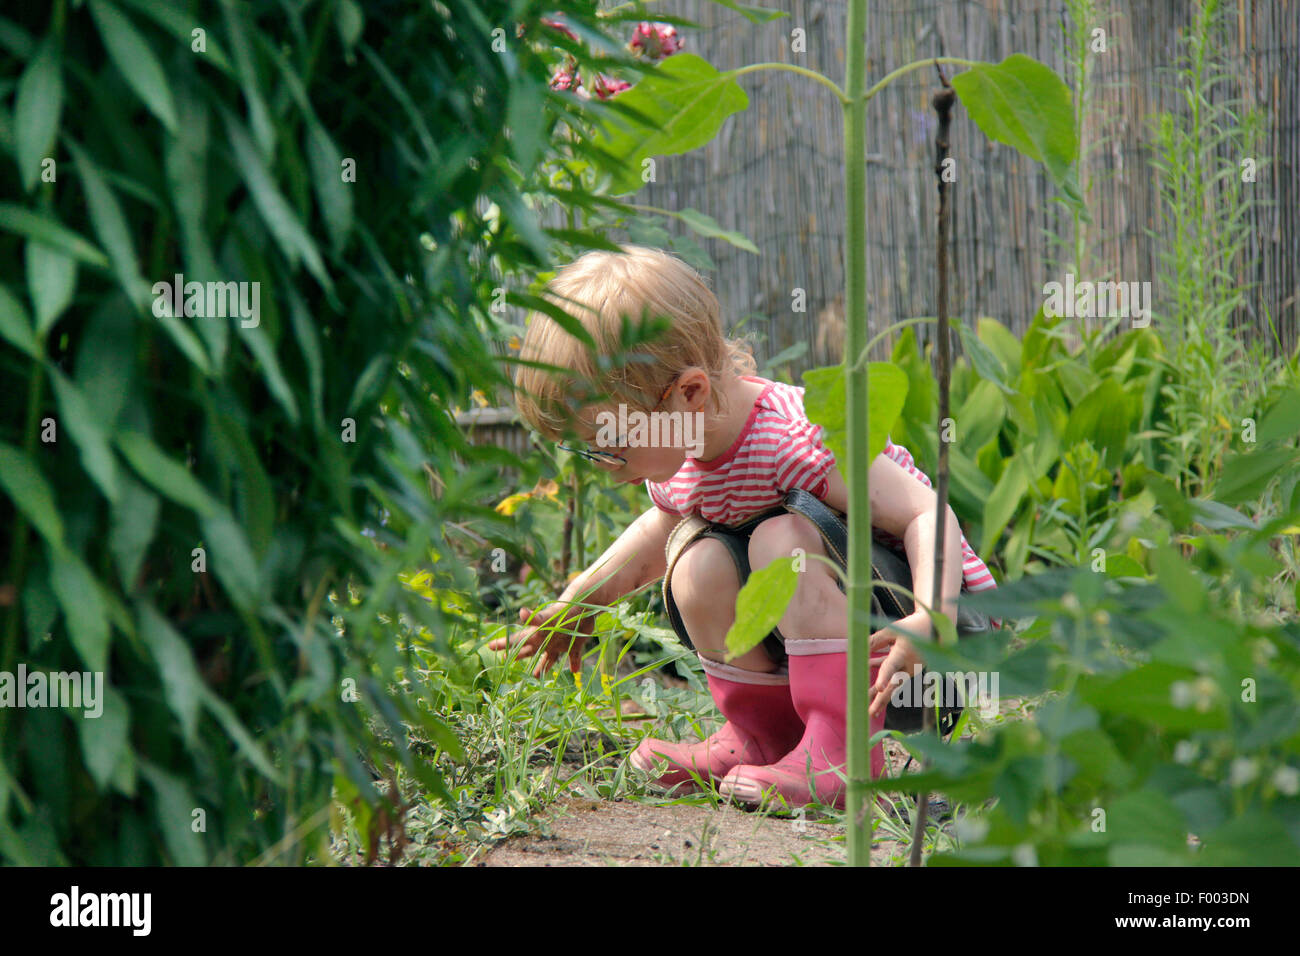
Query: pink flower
558, 25
655, 40
606, 86
566, 78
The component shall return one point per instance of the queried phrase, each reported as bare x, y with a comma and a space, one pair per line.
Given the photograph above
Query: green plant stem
859, 803
916, 65
802, 71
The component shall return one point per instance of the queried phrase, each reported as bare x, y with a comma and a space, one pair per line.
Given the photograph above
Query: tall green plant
1019, 102
211, 511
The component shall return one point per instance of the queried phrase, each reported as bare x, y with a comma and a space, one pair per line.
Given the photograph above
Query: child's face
603, 432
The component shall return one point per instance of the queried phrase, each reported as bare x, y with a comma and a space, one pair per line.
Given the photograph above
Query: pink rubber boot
808, 773
762, 724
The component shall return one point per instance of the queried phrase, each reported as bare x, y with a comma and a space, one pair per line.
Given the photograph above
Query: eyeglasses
607, 458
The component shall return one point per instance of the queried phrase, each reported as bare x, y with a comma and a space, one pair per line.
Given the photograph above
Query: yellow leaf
509, 505
546, 488
477, 396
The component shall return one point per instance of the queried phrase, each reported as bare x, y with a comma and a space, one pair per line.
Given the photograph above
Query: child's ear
695, 387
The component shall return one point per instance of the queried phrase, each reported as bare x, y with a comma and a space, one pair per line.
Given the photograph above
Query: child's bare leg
705, 585
818, 610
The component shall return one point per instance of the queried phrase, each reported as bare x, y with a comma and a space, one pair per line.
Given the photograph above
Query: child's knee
783, 537
704, 575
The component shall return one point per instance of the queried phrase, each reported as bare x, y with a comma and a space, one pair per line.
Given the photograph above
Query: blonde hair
601, 289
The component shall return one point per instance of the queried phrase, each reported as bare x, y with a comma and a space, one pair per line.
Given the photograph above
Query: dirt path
581, 832
584, 832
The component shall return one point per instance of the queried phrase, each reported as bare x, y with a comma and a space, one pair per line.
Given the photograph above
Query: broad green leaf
38, 226
174, 809
181, 682
1255, 838
14, 324
752, 13
91, 439
1216, 517
278, 215
1147, 693
825, 405
760, 605
1146, 817
164, 474
685, 101
980, 417
1026, 105
1282, 420
1102, 419
105, 739
25, 484
83, 606
38, 107
51, 281
1245, 475
1007, 496
232, 560
135, 60
708, 227
351, 21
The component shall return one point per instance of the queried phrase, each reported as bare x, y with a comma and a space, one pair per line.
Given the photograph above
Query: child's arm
634, 560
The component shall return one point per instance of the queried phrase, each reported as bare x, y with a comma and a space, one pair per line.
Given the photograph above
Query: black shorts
887, 566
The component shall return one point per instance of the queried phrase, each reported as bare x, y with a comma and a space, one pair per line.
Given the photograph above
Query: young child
717, 512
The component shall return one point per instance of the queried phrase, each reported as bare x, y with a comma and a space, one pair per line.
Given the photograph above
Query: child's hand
901, 658
550, 631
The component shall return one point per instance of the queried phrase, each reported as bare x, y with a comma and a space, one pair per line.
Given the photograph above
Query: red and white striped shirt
777, 451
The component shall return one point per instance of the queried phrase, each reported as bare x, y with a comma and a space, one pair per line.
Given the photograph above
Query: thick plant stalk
859, 805
943, 102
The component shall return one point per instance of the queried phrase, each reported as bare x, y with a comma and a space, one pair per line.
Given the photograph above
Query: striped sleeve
802, 461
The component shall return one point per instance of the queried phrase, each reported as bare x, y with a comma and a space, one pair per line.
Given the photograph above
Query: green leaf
244, 741
351, 21
105, 739
133, 523
526, 120
111, 227
684, 102
83, 606
1245, 476
1026, 105
260, 345
135, 60
180, 23
751, 13
982, 359
91, 439
1282, 420
332, 193
14, 325
25, 484
1253, 839
164, 474
51, 281
175, 814
825, 404
38, 106
232, 560
1146, 818
1101, 418
181, 682
708, 227
1147, 694
276, 212
760, 604
32, 225
1006, 497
